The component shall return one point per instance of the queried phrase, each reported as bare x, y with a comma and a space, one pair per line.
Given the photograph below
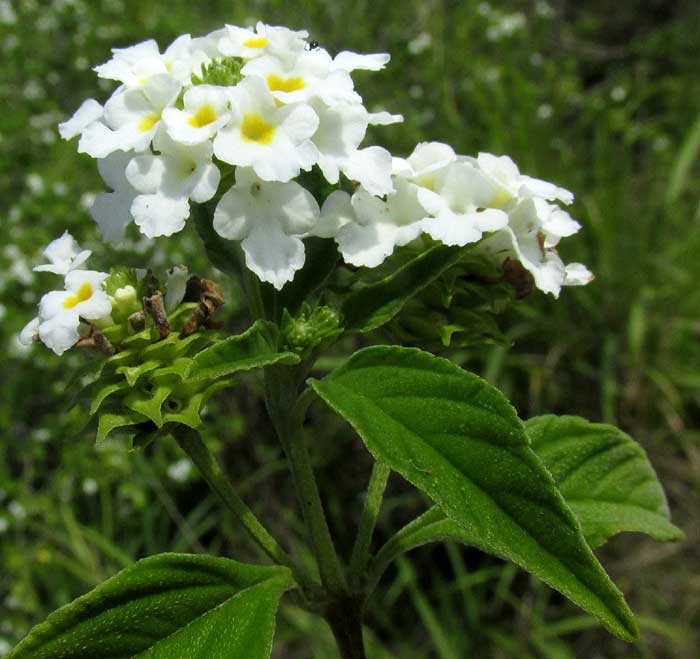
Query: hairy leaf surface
167, 606
459, 440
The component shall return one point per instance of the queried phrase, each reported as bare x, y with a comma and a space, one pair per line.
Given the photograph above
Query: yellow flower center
500, 198
84, 293
256, 42
148, 122
277, 84
255, 129
203, 117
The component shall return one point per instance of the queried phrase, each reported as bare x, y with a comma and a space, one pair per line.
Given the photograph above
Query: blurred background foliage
600, 97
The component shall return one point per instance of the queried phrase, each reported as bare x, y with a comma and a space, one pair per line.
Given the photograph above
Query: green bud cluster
224, 72
309, 329
144, 384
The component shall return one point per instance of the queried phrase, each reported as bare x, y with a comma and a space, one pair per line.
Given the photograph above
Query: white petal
577, 274
112, 212
429, 156
157, 215
371, 167
112, 170
292, 205
349, 61
86, 114
145, 173
30, 332
207, 179
76, 278
51, 304
233, 213
371, 244
273, 255
299, 122
99, 141
452, 229
336, 212
384, 118
61, 332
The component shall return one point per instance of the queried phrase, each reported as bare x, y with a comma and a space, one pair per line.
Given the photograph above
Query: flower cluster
266, 101
58, 324
456, 200
240, 113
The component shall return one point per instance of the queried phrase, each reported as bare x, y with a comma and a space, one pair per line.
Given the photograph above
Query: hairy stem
373, 503
190, 442
287, 415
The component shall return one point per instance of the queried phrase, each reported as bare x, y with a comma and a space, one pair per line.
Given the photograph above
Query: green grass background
601, 97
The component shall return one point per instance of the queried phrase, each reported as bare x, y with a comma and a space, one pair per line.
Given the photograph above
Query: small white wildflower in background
545, 111
35, 183
420, 43
181, 470
90, 486
7, 13
5, 647
17, 510
618, 93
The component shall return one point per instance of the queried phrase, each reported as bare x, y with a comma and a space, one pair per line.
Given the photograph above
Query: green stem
373, 503
398, 544
287, 413
192, 444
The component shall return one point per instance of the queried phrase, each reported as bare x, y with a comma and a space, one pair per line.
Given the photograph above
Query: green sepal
149, 401
117, 418
133, 373
103, 389
185, 407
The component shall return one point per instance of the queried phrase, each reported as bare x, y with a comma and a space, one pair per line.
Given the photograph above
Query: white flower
426, 161
65, 255
206, 109
112, 210
368, 229
341, 130
273, 140
60, 311
168, 181
459, 205
134, 66
310, 76
265, 40
269, 219
525, 239
511, 183
131, 118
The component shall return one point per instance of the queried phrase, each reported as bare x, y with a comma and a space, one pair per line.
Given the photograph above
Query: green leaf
459, 440
102, 390
605, 477
255, 348
369, 307
165, 607
186, 409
